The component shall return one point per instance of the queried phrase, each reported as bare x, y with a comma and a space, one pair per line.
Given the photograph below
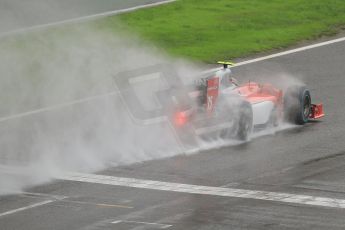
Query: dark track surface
307, 160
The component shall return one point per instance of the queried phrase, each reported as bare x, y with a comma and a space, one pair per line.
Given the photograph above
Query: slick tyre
297, 105
245, 121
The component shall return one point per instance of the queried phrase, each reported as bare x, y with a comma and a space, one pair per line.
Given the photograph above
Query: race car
222, 107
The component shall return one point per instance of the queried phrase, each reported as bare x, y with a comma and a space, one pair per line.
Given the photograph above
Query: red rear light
180, 118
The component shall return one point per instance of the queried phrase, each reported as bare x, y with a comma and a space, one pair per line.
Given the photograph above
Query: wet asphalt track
17, 14
309, 160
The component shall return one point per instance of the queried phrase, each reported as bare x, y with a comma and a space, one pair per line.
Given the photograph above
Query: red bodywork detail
212, 94
316, 111
254, 93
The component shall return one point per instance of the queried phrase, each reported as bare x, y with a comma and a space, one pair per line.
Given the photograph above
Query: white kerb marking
206, 190
25, 208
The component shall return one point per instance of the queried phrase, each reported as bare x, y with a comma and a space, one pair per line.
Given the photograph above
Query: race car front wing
316, 111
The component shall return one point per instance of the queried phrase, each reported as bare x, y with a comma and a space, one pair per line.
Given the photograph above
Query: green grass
210, 30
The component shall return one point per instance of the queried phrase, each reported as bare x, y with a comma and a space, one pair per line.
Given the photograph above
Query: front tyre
297, 105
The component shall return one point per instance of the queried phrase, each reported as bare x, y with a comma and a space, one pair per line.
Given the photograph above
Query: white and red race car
235, 111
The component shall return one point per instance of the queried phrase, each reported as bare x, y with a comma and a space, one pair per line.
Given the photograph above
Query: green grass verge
210, 30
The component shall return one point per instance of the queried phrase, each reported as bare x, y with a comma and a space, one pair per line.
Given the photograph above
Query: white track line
207, 190
43, 195
160, 226
25, 208
285, 53
58, 106
85, 18
292, 51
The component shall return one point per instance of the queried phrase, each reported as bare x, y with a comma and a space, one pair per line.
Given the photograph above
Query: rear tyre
297, 105
241, 117
245, 122
274, 118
